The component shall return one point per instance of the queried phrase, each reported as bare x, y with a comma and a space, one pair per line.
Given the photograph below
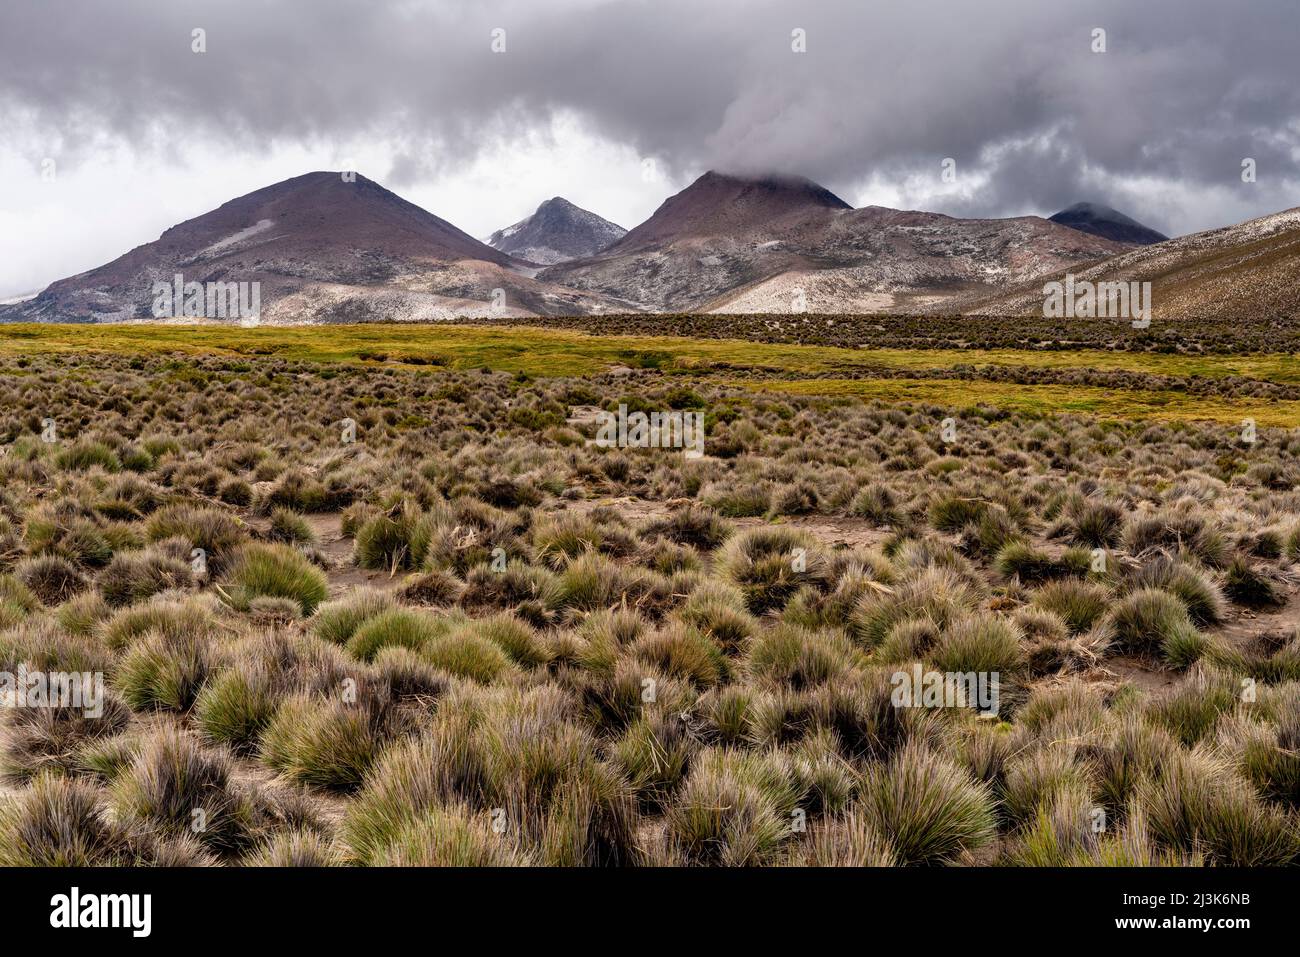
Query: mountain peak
1108, 223
796, 188
556, 232
732, 204
321, 226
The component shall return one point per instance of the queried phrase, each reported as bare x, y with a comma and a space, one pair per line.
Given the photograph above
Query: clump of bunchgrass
274, 571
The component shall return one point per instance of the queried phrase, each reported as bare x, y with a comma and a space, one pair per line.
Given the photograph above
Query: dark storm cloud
1010, 89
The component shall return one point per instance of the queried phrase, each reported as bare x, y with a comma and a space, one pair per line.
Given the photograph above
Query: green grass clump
466, 652
735, 809
86, 454
770, 564
236, 705
1246, 584
394, 628
216, 532
162, 673
1079, 603
927, 808
291, 528
935, 593
338, 620
275, 571
449, 837
181, 788
60, 822
1198, 803
51, 578
1146, 622
132, 577
323, 743
983, 644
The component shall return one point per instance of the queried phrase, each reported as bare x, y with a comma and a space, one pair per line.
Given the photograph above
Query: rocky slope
778, 244
1247, 271
322, 249
557, 232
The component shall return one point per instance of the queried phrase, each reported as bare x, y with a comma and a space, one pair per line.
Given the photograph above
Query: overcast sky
615, 104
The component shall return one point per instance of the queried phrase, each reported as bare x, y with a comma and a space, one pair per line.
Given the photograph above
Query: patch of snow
261, 226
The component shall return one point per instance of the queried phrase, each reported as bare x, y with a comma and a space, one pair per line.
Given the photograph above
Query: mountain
322, 248
1107, 223
720, 205
1248, 272
733, 243
558, 231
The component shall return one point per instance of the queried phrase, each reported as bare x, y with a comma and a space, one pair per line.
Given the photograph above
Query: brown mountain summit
325, 246
764, 244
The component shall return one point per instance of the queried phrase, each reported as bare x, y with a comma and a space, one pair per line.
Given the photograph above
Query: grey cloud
1185, 90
